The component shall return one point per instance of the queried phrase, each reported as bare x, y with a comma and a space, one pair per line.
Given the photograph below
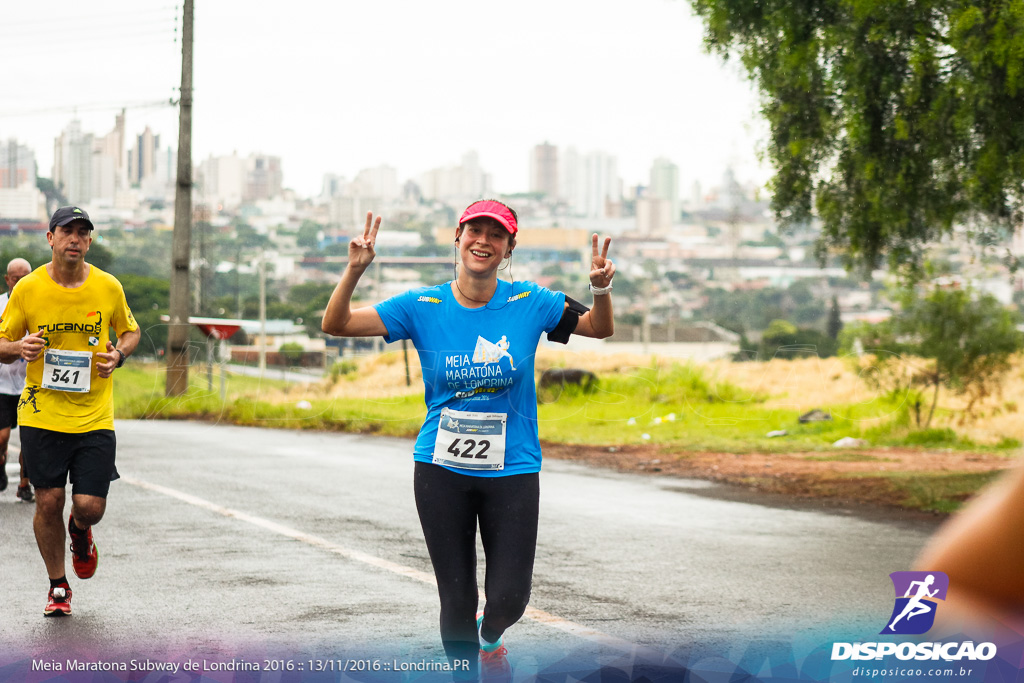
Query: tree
890, 121
149, 298
743, 310
953, 338
291, 352
311, 299
35, 253
53, 194
100, 256
783, 339
309, 234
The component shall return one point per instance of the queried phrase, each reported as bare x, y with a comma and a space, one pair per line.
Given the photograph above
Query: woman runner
478, 457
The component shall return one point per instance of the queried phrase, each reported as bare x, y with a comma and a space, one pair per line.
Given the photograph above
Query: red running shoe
495, 667
59, 603
84, 556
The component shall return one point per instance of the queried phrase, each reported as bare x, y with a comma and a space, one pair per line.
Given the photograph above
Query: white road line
539, 616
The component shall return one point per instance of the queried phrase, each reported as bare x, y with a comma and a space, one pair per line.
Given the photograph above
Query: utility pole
177, 333
263, 315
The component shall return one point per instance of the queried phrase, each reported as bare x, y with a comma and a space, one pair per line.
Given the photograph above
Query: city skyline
567, 166
396, 83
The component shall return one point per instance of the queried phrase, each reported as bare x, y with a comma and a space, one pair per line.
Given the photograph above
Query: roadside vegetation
688, 418
721, 406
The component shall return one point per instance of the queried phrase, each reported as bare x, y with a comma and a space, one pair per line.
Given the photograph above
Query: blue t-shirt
478, 360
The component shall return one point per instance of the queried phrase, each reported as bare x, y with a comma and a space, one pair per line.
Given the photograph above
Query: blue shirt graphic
478, 360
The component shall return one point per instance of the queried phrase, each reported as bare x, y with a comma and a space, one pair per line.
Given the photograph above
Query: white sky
340, 86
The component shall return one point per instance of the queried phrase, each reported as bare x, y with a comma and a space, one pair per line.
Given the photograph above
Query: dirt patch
843, 476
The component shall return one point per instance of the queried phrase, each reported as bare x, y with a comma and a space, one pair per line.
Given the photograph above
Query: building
222, 180
653, 216
88, 168
348, 212
72, 163
460, 184
227, 182
665, 185
143, 156
23, 203
19, 196
263, 179
544, 170
590, 184
333, 186
17, 165
380, 181
112, 168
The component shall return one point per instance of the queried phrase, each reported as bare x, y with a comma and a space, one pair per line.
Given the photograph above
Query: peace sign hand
360, 249
602, 270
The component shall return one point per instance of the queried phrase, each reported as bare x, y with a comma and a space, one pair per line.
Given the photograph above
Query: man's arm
28, 348
126, 344
129, 341
9, 351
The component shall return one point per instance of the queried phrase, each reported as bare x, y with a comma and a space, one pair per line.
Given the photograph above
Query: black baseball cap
67, 214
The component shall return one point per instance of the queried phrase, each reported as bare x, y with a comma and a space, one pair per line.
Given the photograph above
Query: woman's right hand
360, 249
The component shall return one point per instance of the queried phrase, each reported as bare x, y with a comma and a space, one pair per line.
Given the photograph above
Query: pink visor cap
489, 209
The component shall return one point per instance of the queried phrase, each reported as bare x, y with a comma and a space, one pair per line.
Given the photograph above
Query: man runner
66, 412
12, 383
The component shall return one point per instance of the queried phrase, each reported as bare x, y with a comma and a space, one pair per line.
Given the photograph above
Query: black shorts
88, 457
9, 410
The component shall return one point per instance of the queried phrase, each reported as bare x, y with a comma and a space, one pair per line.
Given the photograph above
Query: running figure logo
916, 592
492, 352
31, 398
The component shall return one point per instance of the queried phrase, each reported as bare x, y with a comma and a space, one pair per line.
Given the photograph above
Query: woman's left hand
602, 270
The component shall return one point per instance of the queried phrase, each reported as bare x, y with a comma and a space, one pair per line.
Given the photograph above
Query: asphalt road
224, 542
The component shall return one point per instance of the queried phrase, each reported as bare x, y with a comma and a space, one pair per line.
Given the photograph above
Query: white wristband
597, 291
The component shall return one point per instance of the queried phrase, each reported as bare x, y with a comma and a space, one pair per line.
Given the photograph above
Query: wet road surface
222, 542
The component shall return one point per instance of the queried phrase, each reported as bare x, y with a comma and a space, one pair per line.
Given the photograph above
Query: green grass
678, 409
681, 408
139, 394
942, 492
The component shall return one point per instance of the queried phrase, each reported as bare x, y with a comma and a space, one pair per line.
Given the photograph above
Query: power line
77, 30
91, 107
52, 21
24, 41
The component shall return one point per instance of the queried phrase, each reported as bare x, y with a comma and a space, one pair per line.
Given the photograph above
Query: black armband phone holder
570, 319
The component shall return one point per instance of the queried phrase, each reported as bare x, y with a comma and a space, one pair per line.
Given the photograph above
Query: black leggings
449, 505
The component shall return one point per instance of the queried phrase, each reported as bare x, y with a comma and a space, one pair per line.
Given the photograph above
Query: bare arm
9, 351
28, 348
340, 319
126, 344
599, 322
981, 549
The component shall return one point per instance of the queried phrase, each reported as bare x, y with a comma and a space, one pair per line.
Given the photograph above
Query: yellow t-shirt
76, 325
